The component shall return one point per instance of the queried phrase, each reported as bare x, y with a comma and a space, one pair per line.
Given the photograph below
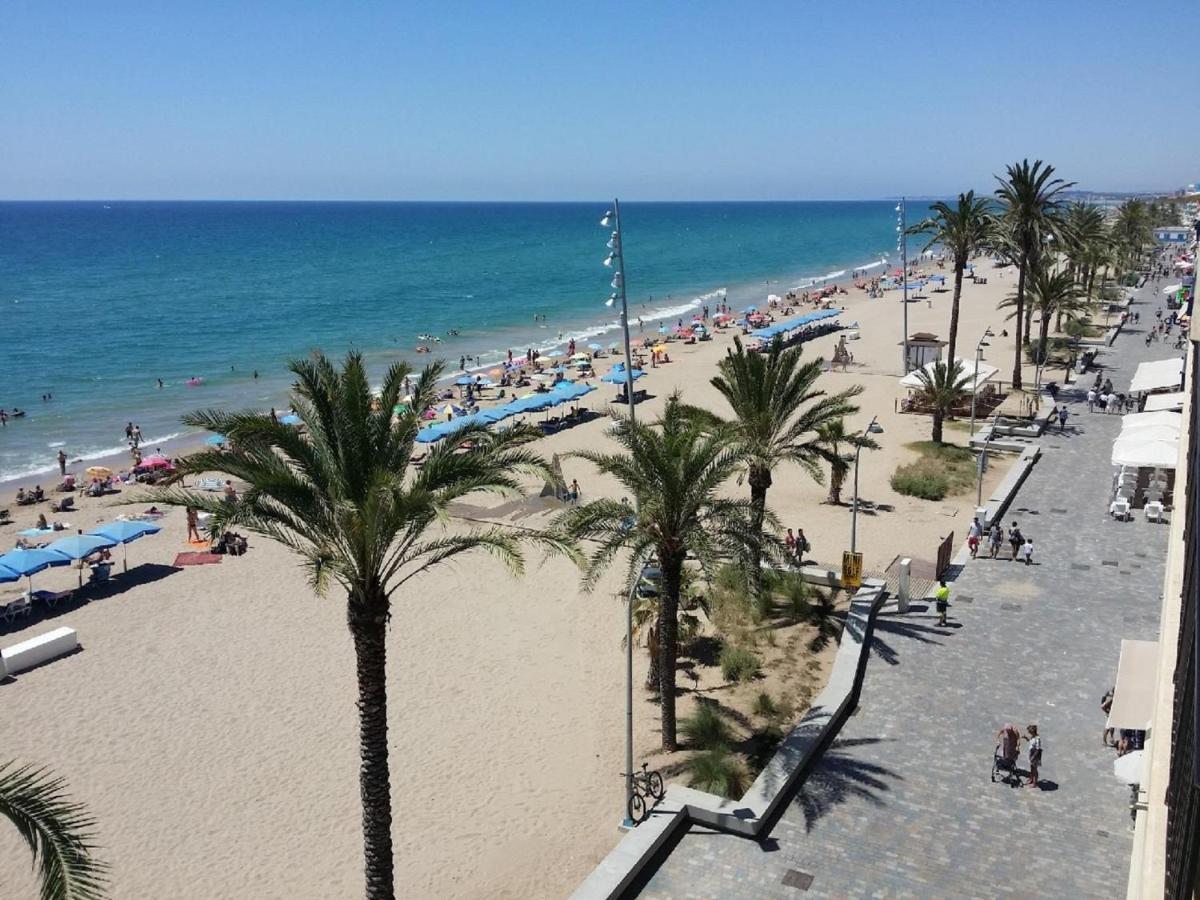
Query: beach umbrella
620, 377
660, 348
122, 532
155, 462
464, 380
582, 364
430, 434
215, 439
290, 419
98, 472
7, 575
594, 346
581, 356
662, 328
496, 414
77, 546
751, 309
29, 562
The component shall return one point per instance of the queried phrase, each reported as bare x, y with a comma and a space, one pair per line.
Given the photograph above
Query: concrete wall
757, 810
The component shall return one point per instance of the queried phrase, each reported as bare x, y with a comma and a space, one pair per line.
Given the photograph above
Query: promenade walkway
903, 804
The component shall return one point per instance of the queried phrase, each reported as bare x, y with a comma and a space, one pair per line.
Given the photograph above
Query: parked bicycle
646, 785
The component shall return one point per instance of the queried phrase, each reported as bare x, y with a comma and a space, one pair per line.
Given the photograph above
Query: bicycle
645, 784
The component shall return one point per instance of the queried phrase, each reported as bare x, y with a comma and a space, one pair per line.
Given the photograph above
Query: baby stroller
1004, 758
1003, 767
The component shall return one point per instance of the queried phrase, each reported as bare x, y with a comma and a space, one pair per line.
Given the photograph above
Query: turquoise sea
100, 300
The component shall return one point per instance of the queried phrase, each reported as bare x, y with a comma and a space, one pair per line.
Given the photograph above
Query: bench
38, 650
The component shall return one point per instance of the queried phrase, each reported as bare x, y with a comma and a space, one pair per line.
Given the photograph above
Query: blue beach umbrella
216, 439
620, 377
432, 433
7, 575
497, 414
125, 532
77, 546
29, 562
595, 346
464, 380
290, 419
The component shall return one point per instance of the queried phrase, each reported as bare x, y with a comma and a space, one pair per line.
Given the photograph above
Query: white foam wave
31, 470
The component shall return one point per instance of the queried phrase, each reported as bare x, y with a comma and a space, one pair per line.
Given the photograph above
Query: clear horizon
539, 103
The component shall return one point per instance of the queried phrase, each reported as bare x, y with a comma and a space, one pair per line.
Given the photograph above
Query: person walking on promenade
941, 599
995, 539
1062, 418
1027, 551
1035, 754
1015, 540
974, 536
1091, 397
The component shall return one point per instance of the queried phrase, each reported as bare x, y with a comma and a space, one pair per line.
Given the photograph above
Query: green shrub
706, 729
765, 706
920, 479
763, 744
738, 664
717, 772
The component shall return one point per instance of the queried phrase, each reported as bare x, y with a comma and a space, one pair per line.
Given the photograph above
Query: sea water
99, 301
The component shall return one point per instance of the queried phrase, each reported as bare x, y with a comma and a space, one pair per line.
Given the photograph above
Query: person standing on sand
193, 534
62, 463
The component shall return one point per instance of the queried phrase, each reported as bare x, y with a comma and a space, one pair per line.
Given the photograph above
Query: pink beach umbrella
156, 462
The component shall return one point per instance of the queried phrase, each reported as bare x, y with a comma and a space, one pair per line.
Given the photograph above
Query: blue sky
565, 100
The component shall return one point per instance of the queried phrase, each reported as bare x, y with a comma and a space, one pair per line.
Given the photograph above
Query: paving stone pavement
903, 805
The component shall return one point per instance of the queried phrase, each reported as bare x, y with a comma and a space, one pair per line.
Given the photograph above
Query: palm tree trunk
938, 416
668, 644
1016, 376
368, 626
960, 264
760, 481
652, 672
837, 475
1043, 335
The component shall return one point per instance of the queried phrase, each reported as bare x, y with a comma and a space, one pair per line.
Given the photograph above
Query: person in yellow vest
941, 597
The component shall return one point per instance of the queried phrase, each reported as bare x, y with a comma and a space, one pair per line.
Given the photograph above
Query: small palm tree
1054, 294
941, 390
962, 229
346, 500
835, 436
777, 413
673, 468
1031, 200
58, 830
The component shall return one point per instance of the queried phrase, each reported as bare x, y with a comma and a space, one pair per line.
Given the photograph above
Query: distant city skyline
534, 102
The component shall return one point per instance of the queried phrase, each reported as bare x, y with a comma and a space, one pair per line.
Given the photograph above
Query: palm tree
346, 500
1053, 294
834, 436
962, 230
1132, 230
777, 410
673, 468
941, 390
1031, 200
58, 830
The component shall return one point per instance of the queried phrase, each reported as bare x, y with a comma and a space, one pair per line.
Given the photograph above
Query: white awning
1133, 697
1158, 375
1157, 402
1135, 423
1150, 453
967, 367
1172, 288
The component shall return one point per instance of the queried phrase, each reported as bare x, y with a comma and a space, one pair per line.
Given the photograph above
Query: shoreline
582, 331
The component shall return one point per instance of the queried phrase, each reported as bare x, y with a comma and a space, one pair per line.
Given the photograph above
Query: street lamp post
873, 428
902, 247
616, 260
975, 384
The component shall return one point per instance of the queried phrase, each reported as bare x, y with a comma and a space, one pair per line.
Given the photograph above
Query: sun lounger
18, 606
52, 598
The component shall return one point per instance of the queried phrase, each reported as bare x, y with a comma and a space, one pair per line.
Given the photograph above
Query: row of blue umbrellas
563, 392
792, 324
18, 564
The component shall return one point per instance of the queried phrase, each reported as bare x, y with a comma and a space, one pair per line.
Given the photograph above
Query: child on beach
941, 597
1027, 551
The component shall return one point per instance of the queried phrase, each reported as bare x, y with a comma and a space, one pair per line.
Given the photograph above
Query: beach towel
196, 558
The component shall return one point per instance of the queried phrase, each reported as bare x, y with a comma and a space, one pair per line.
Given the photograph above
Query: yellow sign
851, 570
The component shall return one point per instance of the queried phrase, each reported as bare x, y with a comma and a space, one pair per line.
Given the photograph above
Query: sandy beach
209, 721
